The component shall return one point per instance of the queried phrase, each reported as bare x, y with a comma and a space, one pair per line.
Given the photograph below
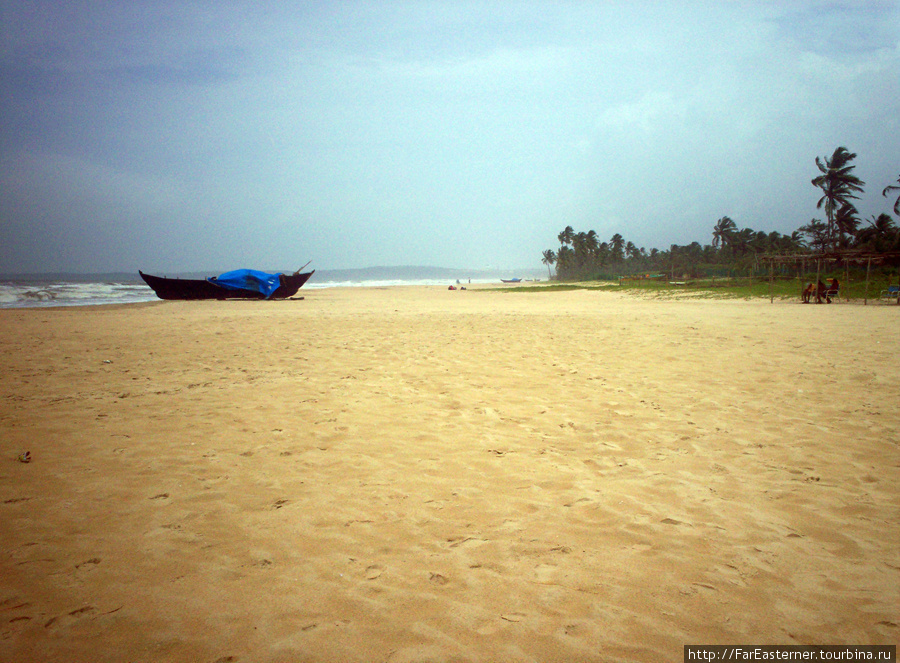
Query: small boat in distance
511, 280
239, 284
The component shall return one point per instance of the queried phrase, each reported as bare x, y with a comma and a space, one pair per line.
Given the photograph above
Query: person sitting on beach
817, 290
806, 295
832, 291
810, 289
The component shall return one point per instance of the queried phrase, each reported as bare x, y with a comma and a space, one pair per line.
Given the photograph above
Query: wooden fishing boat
258, 285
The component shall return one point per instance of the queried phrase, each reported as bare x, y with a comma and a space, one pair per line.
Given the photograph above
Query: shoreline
46, 299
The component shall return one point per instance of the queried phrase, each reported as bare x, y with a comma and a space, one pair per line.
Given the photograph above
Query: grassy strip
712, 288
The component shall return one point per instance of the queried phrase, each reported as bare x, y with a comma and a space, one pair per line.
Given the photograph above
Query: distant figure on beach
821, 291
807, 293
811, 289
832, 291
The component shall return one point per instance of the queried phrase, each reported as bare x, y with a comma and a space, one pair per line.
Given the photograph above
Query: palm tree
741, 240
881, 235
549, 259
846, 223
602, 253
566, 236
617, 247
592, 244
631, 251
838, 186
759, 242
723, 231
896, 202
579, 245
796, 242
564, 262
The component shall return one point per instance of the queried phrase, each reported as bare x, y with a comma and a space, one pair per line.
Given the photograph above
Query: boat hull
166, 288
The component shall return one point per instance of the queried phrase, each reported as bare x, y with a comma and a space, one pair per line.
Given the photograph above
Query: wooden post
802, 277
771, 281
846, 279
868, 271
818, 271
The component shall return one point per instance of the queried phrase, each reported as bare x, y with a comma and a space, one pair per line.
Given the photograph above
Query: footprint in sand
513, 616
373, 572
467, 541
92, 560
61, 620
14, 603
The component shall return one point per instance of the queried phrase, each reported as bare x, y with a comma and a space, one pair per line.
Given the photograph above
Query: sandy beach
417, 474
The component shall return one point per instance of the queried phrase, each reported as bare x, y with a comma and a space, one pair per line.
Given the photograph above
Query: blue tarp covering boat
248, 279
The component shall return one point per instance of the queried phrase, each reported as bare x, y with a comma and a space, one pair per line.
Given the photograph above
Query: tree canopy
583, 256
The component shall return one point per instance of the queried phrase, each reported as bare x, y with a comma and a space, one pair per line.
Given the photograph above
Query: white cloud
651, 112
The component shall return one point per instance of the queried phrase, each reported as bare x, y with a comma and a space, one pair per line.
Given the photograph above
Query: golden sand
416, 474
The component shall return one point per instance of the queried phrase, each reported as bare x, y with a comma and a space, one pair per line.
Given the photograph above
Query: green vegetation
853, 288
737, 255
838, 184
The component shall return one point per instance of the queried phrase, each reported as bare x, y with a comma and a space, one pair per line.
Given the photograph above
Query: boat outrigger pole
298, 271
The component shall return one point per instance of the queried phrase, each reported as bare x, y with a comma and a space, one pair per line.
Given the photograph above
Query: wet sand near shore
417, 474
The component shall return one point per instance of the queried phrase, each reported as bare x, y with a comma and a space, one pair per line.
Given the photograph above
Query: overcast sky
169, 136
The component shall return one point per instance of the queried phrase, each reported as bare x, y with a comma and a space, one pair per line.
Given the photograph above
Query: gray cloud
196, 136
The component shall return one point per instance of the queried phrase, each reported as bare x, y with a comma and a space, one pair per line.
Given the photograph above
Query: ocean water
47, 293
38, 293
